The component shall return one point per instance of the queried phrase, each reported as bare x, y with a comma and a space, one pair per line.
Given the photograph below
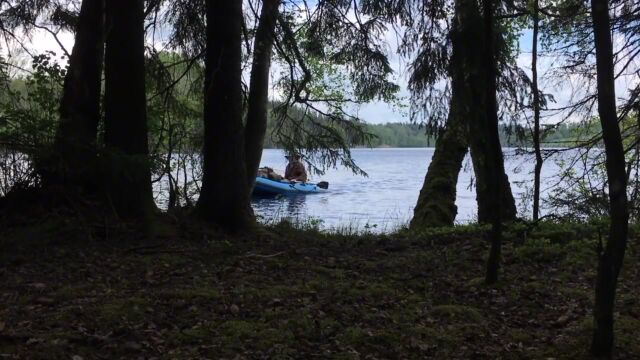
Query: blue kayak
266, 186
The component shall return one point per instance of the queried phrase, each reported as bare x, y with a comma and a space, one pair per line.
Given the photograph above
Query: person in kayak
295, 170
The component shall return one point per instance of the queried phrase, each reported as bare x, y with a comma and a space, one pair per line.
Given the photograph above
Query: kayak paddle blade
323, 185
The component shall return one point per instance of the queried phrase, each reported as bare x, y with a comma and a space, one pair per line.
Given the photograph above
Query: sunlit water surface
385, 199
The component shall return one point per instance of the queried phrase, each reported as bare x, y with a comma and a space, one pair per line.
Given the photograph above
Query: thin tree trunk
128, 183
224, 197
610, 260
494, 165
256, 127
80, 106
536, 113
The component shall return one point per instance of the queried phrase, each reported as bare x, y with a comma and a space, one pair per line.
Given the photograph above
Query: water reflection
274, 208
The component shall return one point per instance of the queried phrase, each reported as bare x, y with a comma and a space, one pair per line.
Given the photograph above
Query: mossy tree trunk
224, 198
127, 178
257, 112
610, 260
77, 131
436, 203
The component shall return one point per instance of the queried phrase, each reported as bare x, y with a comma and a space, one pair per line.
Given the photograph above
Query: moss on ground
301, 294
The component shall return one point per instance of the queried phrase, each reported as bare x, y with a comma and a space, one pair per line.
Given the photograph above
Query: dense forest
188, 93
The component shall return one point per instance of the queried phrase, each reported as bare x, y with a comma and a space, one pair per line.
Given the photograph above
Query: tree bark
488, 142
486, 150
436, 203
224, 197
484, 195
128, 182
80, 106
536, 113
256, 126
610, 260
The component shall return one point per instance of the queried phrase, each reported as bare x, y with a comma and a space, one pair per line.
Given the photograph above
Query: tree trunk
436, 204
610, 260
80, 106
486, 151
536, 113
484, 195
487, 141
128, 182
256, 127
224, 197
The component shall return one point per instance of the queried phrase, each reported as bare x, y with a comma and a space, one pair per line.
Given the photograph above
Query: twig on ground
250, 255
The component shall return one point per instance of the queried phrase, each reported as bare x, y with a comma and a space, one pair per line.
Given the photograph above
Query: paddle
323, 185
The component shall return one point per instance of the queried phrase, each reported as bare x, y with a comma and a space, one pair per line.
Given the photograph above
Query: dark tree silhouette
128, 180
486, 133
224, 198
536, 111
256, 124
80, 107
610, 260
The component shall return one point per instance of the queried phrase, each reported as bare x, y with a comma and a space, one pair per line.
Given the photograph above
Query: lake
384, 200
381, 202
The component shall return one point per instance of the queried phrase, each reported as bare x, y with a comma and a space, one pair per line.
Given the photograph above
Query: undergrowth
95, 289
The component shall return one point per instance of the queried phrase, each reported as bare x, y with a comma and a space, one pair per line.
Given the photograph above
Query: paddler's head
293, 157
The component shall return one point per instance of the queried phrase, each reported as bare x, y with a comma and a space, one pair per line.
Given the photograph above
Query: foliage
583, 193
28, 113
30, 103
174, 117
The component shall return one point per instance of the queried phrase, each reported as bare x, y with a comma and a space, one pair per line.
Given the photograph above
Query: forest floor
72, 289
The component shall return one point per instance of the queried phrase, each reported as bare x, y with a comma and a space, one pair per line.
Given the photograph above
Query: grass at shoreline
301, 294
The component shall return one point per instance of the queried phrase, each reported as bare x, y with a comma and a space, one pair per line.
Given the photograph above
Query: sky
377, 111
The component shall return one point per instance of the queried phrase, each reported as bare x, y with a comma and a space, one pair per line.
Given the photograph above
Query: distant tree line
405, 135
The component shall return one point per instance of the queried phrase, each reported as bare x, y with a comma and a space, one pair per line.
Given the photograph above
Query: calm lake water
384, 200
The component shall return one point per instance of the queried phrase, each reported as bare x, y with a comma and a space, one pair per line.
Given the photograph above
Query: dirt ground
76, 290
